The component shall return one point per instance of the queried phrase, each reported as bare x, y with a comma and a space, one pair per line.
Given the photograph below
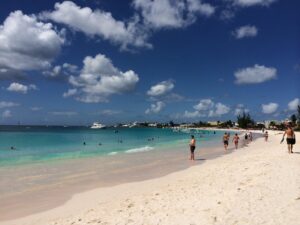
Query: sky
77, 62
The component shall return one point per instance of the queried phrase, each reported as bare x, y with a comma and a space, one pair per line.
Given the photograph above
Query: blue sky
75, 62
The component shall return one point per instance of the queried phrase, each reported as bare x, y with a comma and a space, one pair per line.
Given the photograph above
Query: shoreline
247, 182
16, 205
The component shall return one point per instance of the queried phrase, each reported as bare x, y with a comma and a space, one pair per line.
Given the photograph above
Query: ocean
31, 144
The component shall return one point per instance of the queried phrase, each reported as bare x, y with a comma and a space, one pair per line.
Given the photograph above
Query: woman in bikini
236, 140
266, 136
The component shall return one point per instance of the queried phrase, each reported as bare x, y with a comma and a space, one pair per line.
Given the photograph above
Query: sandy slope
259, 184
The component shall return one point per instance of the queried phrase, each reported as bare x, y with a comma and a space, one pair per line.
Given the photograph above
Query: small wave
112, 153
142, 149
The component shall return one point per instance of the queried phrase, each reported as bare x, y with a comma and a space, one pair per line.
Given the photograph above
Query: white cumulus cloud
108, 112
219, 110
55, 72
240, 109
207, 108
27, 44
4, 104
98, 23
159, 14
155, 107
293, 105
99, 79
254, 75
245, 31
269, 108
192, 115
247, 3
21, 88
61, 71
70, 92
204, 104
161, 89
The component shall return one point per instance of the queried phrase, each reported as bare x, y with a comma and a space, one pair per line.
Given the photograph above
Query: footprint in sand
130, 205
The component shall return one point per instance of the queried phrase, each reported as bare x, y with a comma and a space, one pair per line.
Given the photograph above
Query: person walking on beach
266, 136
225, 140
250, 136
246, 138
236, 140
290, 138
192, 147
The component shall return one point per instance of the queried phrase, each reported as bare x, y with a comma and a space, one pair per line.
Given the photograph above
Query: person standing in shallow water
225, 140
192, 147
290, 138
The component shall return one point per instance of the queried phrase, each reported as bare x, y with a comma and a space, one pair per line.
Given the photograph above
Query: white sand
259, 184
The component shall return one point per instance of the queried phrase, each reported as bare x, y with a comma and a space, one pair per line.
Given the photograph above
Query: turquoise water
36, 144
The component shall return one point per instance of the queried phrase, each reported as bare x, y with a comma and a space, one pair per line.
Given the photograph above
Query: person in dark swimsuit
225, 140
290, 138
192, 147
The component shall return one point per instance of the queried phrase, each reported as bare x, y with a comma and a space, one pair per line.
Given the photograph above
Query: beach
258, 184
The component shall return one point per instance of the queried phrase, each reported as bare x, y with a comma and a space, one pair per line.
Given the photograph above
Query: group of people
289, 133
226, 139
235, 139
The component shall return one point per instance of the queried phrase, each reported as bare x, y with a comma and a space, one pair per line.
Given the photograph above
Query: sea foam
112, 153
142, 149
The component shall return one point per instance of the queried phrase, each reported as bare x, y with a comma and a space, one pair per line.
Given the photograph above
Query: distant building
185, 125
213, 123
268, 123
152, 125
261, 123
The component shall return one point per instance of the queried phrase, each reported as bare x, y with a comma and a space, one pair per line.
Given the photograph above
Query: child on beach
192, 147
236, 141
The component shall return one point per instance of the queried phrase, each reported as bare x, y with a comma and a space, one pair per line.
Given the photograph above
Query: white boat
97, 125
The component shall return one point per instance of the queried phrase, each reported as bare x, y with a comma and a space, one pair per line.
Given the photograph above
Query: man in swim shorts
192, 147
290, 138
225, 140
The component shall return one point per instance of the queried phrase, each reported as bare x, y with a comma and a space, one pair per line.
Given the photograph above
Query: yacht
97, 125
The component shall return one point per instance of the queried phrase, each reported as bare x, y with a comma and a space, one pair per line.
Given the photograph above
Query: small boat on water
97, 125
